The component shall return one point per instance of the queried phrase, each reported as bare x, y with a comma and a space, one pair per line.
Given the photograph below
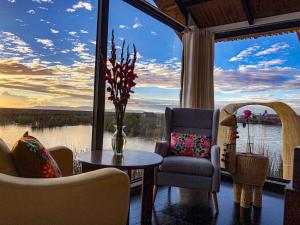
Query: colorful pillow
33, 160
195, 145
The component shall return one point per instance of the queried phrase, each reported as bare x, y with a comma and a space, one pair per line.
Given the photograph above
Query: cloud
243, 54
264, 65
274, 48
14, 101
42, 20
46, 42
82, 52
43, 8
153, 33
31, 11
137, 23
273, 79
12, 1
123, 27
14, 44
19, 20
84, 32
79, 5
54, 31
73, 33
93, 42
65, 51
43, 1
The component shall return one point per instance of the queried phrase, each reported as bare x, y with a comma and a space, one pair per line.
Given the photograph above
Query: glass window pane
158, 68
265, 69
47, 51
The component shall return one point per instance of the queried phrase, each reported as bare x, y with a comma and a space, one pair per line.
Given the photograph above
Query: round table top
131, 159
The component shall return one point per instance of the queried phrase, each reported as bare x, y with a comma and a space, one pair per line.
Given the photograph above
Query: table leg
146, 209
246, 196
257, 196
237, 189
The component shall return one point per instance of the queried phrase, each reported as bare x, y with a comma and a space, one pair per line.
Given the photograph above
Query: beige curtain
197, 80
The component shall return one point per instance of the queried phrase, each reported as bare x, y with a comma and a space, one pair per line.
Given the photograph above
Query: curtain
197, 81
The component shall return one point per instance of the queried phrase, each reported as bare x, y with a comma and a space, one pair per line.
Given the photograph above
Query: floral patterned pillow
195, 145
33, 160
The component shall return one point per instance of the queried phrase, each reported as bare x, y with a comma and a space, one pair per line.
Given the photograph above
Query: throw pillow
195, 145
33, 160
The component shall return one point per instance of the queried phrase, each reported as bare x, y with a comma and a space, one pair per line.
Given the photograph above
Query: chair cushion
187, 165
195, 145
33, 159
7, 165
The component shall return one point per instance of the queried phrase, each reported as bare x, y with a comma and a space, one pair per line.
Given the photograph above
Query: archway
290, 131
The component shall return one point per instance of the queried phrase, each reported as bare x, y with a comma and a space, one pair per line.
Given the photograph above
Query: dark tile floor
169, 211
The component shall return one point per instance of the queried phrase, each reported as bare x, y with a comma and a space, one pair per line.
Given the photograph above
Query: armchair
88, 198
190, 172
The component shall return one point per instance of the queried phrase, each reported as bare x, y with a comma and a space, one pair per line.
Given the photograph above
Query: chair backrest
193, 121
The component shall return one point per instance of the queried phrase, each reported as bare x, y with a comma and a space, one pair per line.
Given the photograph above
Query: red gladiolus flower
120, 78
247, 113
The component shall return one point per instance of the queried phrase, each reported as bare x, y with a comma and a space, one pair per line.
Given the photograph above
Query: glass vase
118, 140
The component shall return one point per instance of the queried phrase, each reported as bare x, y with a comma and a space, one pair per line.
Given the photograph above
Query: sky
47, 51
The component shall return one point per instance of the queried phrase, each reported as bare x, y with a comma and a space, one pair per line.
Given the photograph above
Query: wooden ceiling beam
247, 11
188, 3
183, 10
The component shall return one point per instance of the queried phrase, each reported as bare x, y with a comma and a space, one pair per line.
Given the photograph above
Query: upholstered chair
97, 197
186, 171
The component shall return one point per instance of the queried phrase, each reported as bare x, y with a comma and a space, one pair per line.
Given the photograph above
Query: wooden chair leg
155, 188
215, 200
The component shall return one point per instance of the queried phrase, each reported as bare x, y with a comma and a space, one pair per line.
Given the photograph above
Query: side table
248, 181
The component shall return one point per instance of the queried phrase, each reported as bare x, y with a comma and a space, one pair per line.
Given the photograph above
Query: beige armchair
98, 197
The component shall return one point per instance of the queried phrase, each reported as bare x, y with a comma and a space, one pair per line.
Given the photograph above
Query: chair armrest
64, 159
215, 155
215, 160
88, 198
162, 148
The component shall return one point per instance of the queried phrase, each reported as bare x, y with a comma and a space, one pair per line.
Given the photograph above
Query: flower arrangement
247, 114
120, 78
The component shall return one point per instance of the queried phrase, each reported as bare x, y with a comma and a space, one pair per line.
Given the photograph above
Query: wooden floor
168, 210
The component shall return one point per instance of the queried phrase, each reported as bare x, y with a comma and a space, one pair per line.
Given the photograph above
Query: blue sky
47, 50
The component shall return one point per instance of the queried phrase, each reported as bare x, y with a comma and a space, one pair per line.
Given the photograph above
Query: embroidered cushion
33, 160
195, 145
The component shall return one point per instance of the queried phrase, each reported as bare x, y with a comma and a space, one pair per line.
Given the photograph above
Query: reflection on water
267, 136
77, 138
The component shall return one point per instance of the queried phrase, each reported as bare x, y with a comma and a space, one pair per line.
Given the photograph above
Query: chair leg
155, 188
215, 200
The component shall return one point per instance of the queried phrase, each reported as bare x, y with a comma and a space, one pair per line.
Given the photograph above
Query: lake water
78, 138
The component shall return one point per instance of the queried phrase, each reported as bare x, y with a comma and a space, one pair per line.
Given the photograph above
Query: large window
158, 68
47, 50
260, 70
